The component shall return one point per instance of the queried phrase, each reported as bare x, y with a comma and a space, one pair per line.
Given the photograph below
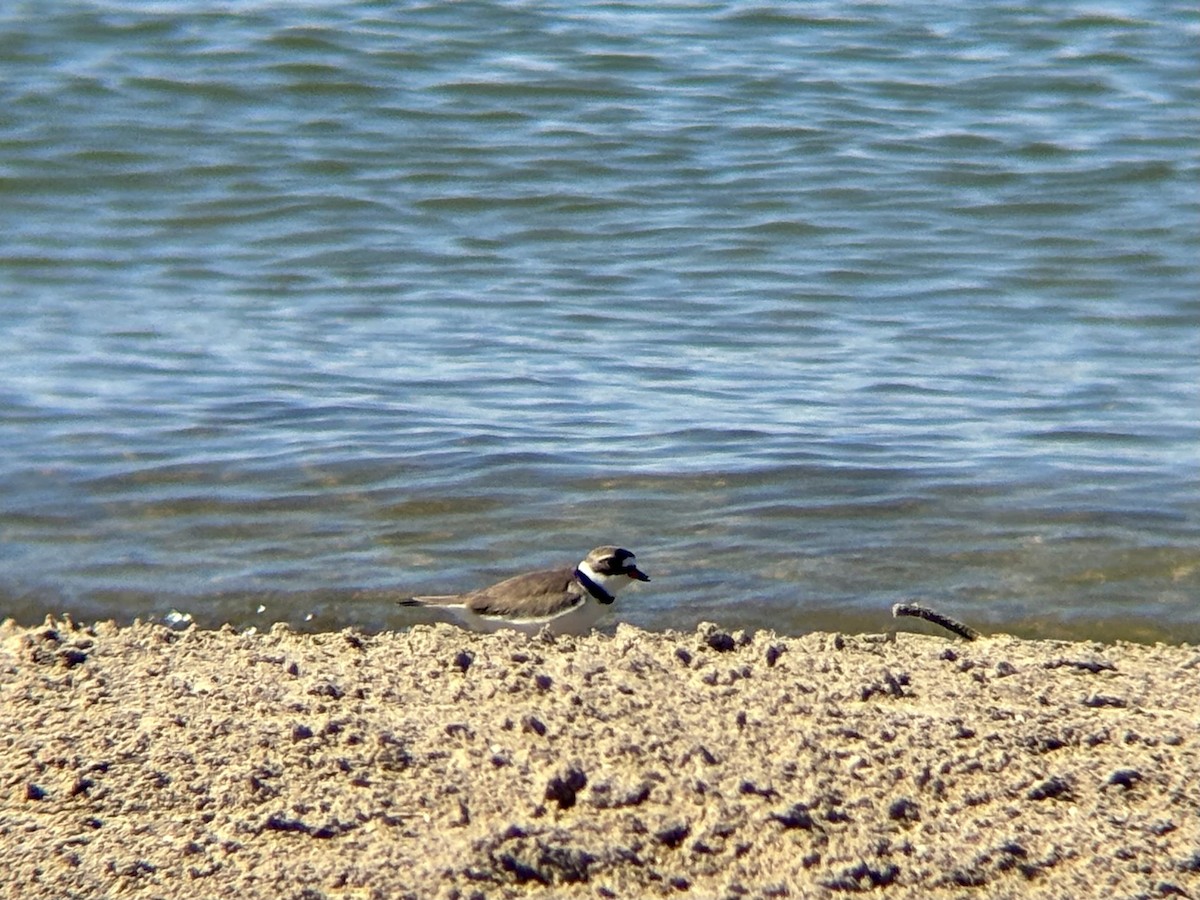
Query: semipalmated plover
569, 600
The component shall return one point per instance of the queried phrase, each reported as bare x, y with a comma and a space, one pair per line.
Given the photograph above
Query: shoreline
147, 762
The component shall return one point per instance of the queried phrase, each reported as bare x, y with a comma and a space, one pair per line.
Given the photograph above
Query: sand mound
145, 762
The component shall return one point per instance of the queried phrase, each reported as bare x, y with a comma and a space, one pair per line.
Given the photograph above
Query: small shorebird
569, 600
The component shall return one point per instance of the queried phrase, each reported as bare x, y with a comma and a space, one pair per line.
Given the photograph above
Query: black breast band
599, 593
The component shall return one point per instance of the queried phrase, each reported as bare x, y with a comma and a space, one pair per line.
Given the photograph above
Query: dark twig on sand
932, 615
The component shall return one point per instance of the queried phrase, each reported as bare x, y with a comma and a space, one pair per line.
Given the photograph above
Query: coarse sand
144, 762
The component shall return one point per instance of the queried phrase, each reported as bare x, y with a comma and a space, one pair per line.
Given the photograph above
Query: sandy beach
142, 762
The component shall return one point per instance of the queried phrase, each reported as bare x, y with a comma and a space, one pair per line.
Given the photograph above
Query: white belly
580, 620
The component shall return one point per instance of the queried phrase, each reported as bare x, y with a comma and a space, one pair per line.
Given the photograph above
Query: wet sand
144, 762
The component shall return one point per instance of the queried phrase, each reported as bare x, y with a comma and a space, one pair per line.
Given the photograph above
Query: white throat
610, 583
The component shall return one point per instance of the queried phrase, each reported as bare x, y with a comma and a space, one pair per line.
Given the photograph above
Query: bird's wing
532, 595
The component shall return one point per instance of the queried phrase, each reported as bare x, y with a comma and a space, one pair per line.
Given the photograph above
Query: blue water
815, 307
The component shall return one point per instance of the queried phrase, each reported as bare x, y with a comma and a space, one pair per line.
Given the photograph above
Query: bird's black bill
635, 572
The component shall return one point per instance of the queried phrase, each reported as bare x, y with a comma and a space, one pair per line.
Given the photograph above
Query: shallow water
303, 309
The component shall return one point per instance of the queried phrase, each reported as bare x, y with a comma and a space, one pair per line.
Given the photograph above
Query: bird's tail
434, 600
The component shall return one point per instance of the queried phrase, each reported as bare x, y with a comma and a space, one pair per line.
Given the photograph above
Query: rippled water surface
816, 307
